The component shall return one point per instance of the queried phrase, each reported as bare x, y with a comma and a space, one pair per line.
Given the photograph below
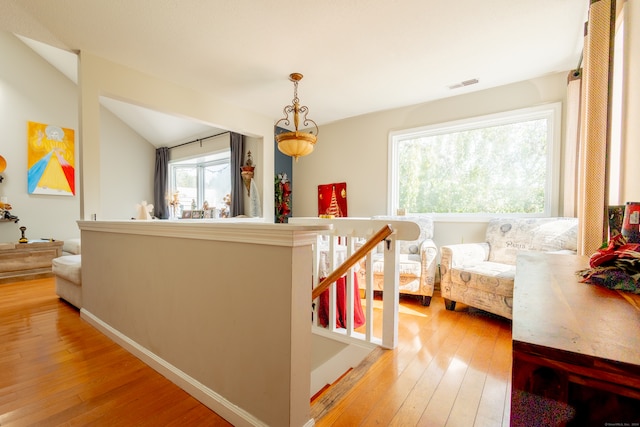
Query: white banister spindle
391, 300
368, 297
333, 263
350, 297
315, 274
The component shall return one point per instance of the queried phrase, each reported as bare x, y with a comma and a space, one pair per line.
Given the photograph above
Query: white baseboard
230, 412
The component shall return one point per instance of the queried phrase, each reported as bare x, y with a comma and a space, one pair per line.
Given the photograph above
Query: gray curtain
160, 181
237, 160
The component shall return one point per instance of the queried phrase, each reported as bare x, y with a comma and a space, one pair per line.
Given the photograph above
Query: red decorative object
332, 199
617, 248
615, 266
341, 304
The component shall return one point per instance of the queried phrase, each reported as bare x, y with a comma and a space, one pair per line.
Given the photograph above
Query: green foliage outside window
499, 169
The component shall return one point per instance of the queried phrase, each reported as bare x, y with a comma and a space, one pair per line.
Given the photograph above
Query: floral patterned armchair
481, 275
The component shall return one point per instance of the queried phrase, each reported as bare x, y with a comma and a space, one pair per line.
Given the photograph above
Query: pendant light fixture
296, 143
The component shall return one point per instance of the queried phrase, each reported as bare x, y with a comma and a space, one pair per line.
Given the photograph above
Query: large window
503, 164
201, 179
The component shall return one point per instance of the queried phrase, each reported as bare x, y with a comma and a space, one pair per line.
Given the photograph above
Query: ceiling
357, 56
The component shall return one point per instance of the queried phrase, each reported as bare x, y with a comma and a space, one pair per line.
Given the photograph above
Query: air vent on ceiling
464, 83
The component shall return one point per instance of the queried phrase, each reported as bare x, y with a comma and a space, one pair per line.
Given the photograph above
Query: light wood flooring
450, 369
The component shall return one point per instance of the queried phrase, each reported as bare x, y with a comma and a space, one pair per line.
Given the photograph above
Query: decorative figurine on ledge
225, 211
175, 204
23, 239
4, 211
7, 215
144, 210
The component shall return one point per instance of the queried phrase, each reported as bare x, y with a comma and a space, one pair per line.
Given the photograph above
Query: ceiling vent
464, 83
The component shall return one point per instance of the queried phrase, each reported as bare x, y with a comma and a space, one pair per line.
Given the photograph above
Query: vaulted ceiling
357, 56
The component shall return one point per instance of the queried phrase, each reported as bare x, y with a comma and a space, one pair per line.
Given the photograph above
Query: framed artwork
197, 214
332, 199
186, 214
51, 160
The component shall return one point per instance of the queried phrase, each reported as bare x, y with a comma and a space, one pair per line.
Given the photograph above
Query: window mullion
200, 185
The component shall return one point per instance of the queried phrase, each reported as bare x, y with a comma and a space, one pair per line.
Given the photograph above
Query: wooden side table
576, 347
23, 261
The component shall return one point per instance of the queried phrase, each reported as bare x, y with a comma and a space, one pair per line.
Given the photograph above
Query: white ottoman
68, 278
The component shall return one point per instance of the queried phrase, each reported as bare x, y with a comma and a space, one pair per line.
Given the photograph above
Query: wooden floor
56, 369
450, 369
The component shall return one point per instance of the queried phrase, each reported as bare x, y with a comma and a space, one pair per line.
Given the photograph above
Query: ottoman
68, 278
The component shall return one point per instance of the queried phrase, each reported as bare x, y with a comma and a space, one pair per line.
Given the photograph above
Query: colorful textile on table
616, 266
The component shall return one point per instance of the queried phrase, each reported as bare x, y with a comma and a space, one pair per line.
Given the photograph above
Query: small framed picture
186, 214
198, 214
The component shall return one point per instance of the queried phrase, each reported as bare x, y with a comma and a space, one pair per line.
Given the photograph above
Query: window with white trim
201, 179
500, 164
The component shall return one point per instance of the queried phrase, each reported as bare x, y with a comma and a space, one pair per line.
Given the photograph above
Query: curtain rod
198, 140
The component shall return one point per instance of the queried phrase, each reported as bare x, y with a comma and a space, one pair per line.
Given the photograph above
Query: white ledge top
227, 230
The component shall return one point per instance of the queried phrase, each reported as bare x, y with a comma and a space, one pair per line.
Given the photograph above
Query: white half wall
220, 307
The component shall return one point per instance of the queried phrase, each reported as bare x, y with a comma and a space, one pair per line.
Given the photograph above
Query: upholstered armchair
417, 263
481, 275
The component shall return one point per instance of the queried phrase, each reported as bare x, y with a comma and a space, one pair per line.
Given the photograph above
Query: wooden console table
576, 347
19, 261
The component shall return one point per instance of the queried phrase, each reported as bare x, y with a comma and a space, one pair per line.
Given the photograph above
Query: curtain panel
160, 183
237, 185
572, 143
594, 126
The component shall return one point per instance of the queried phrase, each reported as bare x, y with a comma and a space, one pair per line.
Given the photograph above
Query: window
504, 164
201, 179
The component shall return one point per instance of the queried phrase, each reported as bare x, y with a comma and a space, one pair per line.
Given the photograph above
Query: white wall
128, 164
32, 90
356, 150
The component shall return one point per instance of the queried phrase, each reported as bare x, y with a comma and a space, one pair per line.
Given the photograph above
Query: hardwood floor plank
439, 407
367, 394
411, 399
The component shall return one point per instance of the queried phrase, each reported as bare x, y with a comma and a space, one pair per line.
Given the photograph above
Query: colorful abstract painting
51, 156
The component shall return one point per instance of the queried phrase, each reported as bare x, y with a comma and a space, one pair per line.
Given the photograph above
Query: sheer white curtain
572, 142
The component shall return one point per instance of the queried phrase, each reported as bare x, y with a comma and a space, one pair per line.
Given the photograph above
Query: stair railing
346, 240
342, 269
